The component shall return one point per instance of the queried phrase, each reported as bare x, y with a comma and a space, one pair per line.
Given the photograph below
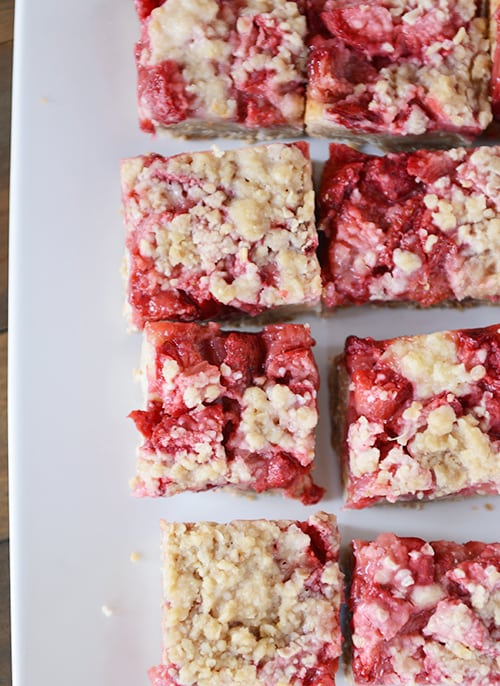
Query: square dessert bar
213, 67
217, 234
227, 408
421, 416
420, 227
399, 72
425, 613
250, 603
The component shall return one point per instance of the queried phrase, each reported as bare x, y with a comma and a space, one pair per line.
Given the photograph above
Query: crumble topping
275, 415
251, 602
450, 67
234, 229
456, 449
431, 364
406, 261
361, 438
483, 586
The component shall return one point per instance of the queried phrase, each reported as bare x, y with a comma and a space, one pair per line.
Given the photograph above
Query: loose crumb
134, 556
107, 611
489, 507
44, 100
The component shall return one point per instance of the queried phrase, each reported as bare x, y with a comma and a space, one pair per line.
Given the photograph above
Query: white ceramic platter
72, 449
